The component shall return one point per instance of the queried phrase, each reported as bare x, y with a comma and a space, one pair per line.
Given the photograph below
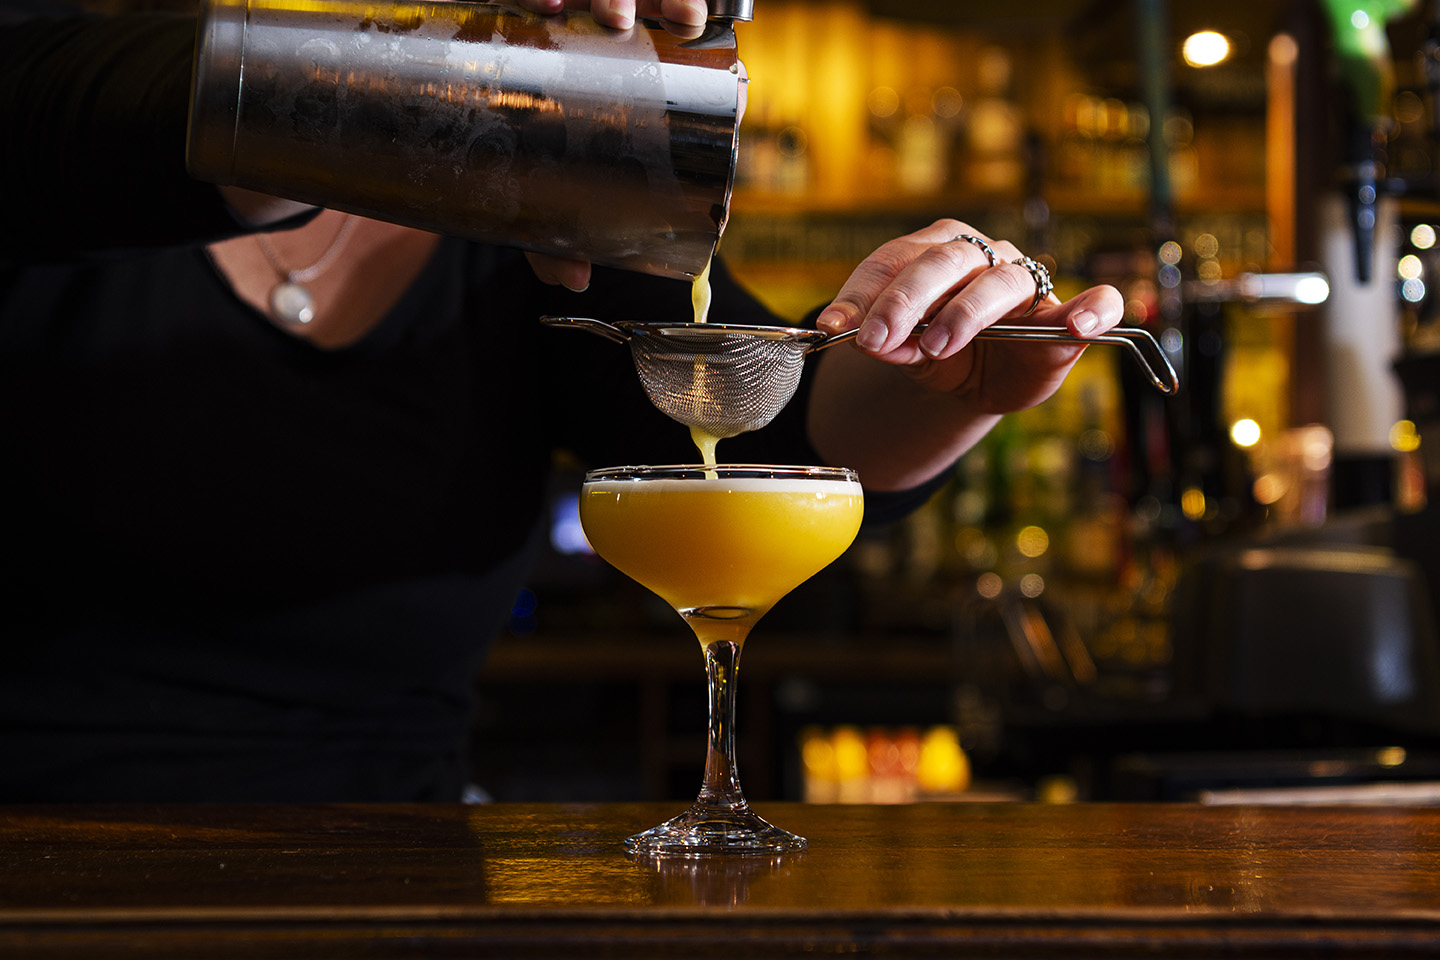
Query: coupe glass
721, 544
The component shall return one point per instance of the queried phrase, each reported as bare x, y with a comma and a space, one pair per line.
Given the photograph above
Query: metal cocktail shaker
478, 120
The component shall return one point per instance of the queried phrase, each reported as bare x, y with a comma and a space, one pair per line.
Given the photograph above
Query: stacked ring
989, 250
1043, 285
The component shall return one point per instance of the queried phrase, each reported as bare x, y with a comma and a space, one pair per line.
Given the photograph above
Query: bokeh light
1205, 48
1245, 432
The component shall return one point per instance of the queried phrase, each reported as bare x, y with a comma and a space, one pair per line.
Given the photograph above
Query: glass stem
722, 779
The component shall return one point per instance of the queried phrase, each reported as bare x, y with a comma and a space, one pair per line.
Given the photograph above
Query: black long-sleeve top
238, 566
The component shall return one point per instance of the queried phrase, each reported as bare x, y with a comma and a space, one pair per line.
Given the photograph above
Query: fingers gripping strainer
727, 379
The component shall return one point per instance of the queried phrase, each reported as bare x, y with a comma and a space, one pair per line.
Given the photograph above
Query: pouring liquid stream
700, 301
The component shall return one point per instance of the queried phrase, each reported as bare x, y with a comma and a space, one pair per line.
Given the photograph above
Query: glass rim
726, 471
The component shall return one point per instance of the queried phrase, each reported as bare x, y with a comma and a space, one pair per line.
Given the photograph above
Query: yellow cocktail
721, 551
721, 544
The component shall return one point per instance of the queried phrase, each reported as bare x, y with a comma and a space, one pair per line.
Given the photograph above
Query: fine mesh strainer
727, 379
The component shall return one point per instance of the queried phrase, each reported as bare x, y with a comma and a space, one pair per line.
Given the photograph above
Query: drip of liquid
700, 294
700, 301
705, 443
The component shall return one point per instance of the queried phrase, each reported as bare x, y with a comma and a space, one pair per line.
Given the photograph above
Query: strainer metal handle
1136, 341
1141, 346
598, 327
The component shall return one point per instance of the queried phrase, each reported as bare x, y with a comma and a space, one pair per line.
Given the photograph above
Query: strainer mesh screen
723, 384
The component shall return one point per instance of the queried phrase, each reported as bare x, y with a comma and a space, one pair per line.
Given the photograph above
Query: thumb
573, 275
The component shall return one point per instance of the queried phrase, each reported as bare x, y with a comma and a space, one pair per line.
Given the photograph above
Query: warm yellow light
1284, 50
1192, 503
1409, 267
1032, 541
1205, 49
1268, 488
1390, 756
943, 766
850, 758
1423, 236
1404, 438
1245, 432
818, 755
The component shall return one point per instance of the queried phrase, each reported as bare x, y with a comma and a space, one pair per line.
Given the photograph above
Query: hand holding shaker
479, 120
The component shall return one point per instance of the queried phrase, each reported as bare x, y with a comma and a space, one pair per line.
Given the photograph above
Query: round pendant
291, 304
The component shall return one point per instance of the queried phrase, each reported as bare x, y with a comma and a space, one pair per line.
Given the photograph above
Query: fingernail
580, 289
872, 334
934, 341
830, 320
1085, 321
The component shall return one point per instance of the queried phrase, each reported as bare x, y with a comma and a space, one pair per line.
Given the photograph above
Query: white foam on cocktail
818, 486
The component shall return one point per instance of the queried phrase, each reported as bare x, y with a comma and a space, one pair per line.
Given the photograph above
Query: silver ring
1043, 284
989, 250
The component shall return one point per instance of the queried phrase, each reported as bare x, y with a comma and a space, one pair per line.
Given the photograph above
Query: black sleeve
94, 111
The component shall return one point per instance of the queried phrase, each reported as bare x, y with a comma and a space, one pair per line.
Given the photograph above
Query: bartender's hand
902, 409
931, 277
684, 18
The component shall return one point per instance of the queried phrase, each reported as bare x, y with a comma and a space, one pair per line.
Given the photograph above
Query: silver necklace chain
312, 272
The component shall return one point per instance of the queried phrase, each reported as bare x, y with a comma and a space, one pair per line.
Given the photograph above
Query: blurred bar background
1118, 595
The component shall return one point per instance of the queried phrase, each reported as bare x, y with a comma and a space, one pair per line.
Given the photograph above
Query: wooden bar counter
967, 879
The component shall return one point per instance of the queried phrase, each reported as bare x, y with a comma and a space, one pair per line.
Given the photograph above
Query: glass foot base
701, 832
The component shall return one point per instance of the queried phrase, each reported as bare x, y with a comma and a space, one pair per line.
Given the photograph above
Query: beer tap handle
1362, 54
